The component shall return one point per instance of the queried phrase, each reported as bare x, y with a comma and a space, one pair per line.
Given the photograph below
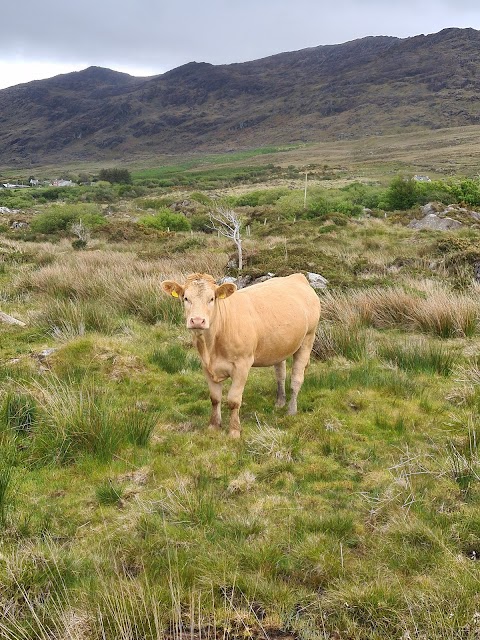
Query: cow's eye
212, 299
186, 300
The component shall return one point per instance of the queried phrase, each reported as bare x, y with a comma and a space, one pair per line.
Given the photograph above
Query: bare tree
227, 223
81, 231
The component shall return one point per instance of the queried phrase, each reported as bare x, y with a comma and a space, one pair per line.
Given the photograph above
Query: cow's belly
270, 351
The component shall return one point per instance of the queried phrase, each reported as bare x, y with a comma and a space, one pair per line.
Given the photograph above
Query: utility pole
305, 194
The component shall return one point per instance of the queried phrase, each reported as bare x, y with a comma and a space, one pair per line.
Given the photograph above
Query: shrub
159, 204
166, 221
401, 194
121, 176
61, 217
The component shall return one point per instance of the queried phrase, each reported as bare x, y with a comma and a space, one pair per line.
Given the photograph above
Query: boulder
434, 223
317, 281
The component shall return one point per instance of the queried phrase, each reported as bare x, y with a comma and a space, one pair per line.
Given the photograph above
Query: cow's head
199, 295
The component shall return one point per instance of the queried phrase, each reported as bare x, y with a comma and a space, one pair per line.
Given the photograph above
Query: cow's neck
204, 342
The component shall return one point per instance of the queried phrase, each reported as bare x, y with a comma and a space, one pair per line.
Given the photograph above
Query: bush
61, 217
121, 176
467, 191
401, 194
201, 223
166, 220
158, 204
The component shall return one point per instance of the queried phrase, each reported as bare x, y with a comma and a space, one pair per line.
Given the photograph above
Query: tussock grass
336, 340
75, 422
67, 319
109, 493
364, 375
467, 379
464, 459
419, 355
18, 412
435, 310
78, 421
90, 289
270, 442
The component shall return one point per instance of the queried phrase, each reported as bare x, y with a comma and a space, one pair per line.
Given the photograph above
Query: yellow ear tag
174, 294
222, 296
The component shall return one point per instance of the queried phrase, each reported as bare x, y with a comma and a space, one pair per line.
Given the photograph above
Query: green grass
420, 356
123, 516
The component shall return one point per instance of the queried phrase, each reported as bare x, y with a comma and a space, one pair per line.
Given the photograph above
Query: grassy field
122, 517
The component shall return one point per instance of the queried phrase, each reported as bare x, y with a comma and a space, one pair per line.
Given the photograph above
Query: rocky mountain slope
370, 86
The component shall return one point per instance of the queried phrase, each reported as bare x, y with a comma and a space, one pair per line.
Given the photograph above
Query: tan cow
259, 326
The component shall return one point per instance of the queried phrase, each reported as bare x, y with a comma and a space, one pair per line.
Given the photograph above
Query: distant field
441, 152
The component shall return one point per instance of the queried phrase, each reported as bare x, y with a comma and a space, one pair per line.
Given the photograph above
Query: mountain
371, 86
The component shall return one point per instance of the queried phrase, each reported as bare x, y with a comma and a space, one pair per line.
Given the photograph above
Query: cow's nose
197, 323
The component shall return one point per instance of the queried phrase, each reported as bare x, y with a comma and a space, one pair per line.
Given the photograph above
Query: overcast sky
40, 39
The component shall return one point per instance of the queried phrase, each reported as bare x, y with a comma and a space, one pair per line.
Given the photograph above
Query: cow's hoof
234, 433
214, 427
279, 404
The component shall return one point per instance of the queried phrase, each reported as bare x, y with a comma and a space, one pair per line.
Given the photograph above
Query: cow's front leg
235, 394
216, 399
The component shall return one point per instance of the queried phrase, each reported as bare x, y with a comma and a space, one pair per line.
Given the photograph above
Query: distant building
62, 183
9, 185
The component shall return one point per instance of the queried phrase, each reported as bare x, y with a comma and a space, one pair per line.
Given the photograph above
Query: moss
284, 259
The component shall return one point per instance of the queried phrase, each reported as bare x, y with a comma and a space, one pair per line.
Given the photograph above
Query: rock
46, 353
241, 281
4, 317
227, 279
434, 223
430, 207
267, 276
18, 224
317, 281
476, 271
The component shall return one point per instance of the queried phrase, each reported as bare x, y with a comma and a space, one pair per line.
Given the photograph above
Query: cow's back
270, 320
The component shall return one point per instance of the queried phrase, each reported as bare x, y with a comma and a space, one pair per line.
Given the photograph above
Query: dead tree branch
227, 223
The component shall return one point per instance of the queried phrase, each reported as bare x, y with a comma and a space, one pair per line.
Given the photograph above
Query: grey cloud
163, 34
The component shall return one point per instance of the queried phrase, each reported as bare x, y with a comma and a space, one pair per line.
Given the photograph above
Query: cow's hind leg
300, 362
216, 399
281, 374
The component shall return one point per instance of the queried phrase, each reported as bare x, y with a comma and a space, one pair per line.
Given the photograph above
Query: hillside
370, 86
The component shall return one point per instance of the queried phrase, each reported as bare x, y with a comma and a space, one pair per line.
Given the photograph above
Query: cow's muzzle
197, 323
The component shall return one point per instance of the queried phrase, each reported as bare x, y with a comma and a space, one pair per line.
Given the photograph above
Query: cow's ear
172, 288
225, 290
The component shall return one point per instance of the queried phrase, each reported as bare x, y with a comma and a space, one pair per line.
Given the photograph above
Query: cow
259, 326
